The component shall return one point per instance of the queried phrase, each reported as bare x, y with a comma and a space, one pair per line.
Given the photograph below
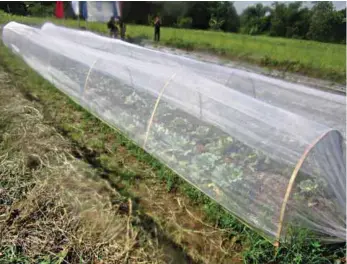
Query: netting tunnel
271, 165
323, 107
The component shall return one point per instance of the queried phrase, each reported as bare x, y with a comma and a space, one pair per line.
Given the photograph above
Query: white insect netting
320, 106
269, 164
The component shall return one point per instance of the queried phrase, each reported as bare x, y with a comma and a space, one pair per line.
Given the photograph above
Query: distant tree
278, 19
215, 24
200, 14
322, 21
303, 23
339, 26
41, 9
255, 19
172, 11
297, 20
137, 12
232, 19
289, 20
184, 22
224, 11
16, 8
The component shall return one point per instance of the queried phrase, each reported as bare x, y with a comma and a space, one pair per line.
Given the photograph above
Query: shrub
184, 22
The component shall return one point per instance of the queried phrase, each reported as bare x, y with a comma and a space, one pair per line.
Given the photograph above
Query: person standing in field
122, 28
112, 27
157, 29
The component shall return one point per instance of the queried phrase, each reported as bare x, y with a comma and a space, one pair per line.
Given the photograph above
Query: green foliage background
282, 19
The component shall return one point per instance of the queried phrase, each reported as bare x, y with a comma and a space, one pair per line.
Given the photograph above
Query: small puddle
174, 256
173, 253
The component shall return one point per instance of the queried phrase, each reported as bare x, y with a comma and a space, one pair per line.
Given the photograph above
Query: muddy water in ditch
173, 253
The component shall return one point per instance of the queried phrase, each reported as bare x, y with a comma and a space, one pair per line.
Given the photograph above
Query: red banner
59, 9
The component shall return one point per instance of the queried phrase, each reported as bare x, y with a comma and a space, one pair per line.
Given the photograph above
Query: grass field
315, 59
203, 230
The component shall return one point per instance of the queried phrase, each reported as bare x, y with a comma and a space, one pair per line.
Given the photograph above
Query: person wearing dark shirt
157, 29
122, 28
112, 27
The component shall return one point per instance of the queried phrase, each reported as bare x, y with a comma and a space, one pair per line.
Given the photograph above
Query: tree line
290, 20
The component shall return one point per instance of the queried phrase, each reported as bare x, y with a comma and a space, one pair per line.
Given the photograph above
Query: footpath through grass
314, 59
219, 238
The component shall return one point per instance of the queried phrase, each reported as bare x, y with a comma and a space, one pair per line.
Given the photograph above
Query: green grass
316, 59
256, 249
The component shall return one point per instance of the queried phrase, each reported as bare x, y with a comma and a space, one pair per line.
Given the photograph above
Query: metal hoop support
87, 78
291, 183
49, 66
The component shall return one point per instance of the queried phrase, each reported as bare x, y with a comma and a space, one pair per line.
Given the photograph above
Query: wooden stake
291, 183
155, 108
